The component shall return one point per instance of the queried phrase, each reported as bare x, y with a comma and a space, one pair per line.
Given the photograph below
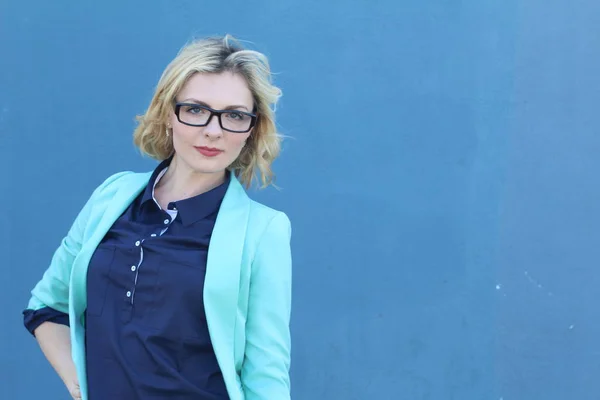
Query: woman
136, 304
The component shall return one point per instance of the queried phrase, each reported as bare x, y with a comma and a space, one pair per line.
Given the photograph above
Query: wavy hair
216, 55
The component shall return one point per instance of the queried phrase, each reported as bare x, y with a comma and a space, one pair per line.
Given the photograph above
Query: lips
208, 151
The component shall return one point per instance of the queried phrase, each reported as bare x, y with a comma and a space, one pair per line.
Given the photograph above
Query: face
210, 149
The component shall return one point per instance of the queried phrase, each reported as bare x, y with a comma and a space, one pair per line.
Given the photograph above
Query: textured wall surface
441, 175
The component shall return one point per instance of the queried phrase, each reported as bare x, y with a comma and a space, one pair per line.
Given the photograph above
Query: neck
181, 182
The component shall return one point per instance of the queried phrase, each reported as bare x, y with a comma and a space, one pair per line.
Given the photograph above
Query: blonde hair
216, 55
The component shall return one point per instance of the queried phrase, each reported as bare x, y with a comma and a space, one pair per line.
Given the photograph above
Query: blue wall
441, 177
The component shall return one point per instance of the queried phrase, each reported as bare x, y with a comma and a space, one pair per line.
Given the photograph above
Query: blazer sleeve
53, 289
265, 370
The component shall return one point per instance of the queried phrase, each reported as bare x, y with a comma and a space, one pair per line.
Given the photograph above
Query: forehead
217, 90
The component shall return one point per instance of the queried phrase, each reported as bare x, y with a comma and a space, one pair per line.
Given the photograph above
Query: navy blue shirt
146, 330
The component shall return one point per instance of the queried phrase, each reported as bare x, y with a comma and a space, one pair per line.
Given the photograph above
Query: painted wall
441, 177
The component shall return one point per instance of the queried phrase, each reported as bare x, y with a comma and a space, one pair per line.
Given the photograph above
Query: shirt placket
130, 294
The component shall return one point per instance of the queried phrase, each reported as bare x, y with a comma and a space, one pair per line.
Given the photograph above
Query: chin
208, 166
205, 169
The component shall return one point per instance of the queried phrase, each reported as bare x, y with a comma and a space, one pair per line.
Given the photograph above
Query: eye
194, 110
236, 116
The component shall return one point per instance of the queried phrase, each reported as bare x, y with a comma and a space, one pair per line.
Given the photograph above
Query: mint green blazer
247, 292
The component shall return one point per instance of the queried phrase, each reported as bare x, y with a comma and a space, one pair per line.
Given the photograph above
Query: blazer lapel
221, 286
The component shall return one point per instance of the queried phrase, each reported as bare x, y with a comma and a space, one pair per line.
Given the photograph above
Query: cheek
173, 119
237, 142
181, 134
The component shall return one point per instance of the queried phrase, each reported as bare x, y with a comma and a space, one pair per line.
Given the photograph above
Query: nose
213, 128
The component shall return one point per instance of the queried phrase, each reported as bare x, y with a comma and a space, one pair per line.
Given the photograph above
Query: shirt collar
148, 195
194, 208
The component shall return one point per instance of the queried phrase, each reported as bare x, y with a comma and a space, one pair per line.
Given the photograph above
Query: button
167, 221
153, 235
137, 243
128, 293
133, 267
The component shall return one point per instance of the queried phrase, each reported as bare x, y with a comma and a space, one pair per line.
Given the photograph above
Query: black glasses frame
214, 112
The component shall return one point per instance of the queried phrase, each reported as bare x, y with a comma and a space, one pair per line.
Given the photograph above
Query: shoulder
263, 219
114, 180
119, 180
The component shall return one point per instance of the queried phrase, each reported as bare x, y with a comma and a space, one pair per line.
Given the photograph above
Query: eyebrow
202, 103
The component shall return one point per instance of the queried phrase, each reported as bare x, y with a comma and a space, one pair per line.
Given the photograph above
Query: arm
265, 372
50, 299
51, 328
55, 342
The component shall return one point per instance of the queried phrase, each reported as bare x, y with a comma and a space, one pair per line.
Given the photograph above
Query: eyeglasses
193, 114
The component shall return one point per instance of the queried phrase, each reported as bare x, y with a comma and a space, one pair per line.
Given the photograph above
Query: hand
74, 390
